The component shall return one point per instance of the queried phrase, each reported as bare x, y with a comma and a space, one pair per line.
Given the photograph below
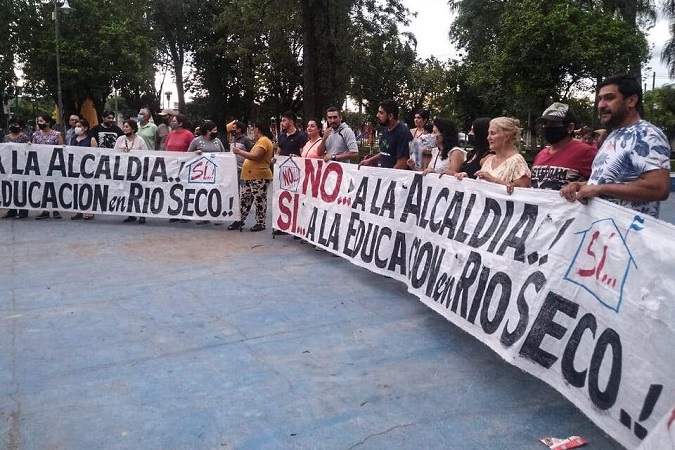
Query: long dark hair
264, 127
480, 131
448, 130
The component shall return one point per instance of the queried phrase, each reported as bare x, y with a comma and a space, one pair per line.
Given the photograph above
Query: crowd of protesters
629, 166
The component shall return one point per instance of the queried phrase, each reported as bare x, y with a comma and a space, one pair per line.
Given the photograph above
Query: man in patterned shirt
632, 168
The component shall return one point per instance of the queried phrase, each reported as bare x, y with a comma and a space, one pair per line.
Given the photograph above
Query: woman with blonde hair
507, 166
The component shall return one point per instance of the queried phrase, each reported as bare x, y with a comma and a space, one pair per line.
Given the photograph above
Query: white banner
102, 181
579, 296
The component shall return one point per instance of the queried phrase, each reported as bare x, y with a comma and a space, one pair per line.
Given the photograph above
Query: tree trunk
325, 28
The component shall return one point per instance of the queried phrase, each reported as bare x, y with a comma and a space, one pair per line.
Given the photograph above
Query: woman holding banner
46, 136
127, 143
310, 150
477, 138
447, 156
82, 138
256, 176
16, 136
507, 166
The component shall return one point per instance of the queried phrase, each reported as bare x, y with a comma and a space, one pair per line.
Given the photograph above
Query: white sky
431, 27
432, 24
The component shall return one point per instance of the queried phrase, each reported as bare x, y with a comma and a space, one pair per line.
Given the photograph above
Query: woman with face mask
446, 155
208, 141
81, 137
46, 136
16, 136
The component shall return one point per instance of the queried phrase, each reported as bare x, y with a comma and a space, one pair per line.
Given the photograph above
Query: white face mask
79, 130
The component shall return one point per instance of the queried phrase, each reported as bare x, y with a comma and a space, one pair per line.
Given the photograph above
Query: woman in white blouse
130, 141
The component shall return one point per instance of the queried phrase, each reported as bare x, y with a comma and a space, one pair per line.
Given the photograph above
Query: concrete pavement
175, 336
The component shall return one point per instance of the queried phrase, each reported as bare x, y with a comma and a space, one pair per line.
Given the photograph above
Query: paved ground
174, 336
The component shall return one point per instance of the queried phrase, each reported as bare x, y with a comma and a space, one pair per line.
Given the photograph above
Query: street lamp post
65, 8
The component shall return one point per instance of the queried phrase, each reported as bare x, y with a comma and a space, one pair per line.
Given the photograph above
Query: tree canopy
252, 59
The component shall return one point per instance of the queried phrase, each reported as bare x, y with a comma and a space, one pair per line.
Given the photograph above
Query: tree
525, 54
103, 43
659, 108
668, 52
381, 66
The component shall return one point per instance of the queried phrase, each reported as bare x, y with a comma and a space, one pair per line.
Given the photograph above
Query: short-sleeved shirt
626, 154
149, 134
20, 139
260, 169
571, 163
394, 145
292, 144
248, 145
341, 141
50, 138
178, 140
106, 136
206, 145
123, 143
511, 169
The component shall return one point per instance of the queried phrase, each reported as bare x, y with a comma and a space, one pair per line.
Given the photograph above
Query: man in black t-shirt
106, 132
394, 143
291, 140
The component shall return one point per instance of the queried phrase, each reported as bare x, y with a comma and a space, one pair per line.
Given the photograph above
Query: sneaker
184, 220
258, 227
88, 216
174, 220
278, 232
22, 215
10, 214
43, 215
202, 222
236, 225
141, 220
77, 216
129, 219
56, 215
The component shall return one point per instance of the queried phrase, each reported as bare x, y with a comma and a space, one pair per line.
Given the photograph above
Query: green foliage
659, 109
102, 42
523, 54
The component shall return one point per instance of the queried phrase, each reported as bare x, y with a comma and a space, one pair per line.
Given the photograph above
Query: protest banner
580, 296
103, 181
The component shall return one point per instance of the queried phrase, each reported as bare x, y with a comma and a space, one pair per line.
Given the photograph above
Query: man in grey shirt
339, 142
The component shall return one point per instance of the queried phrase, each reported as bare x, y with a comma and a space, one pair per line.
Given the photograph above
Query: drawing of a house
602, 263
202, 170
289, 175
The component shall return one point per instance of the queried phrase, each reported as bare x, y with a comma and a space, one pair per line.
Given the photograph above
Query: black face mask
471, 139
553, 135
42, 126
15, 128
214, 135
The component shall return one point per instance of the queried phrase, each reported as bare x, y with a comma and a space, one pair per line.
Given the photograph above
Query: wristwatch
333, 158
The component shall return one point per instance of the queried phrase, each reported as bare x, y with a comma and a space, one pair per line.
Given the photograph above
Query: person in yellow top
256, 177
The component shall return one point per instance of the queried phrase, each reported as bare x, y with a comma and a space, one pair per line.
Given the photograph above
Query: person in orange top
256, 176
